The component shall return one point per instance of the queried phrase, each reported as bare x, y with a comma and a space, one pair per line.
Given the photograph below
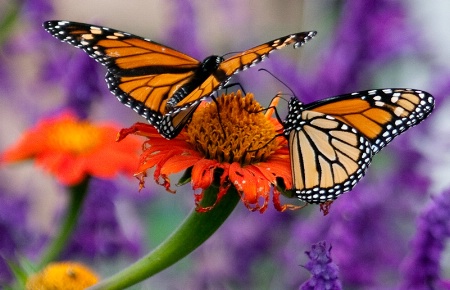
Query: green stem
195, 229
77, 196
9, 19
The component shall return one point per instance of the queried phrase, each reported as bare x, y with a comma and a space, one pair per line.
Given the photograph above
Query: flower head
240, 148
324, 272
63, 275
422, 267
71, 149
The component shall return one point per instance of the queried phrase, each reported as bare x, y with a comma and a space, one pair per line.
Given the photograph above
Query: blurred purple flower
99, 232
14, 236
422, 267
81, 77
183, 33
33, 13
37, 11
367, 35
228, 256
324, 272
83, 83
367, 219
440, 85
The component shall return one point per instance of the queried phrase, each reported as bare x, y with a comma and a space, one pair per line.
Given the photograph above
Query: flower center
242, 133
62, 275
75, 137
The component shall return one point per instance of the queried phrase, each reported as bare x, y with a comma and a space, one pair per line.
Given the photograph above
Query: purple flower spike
83, 84
99, 233
183, 34
13, 232
422, 268
324, 272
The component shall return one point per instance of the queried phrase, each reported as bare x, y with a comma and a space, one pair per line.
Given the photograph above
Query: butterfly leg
227, 86
273, 107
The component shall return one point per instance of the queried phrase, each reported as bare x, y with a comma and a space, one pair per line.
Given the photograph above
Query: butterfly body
332, 141
162, 84
207, 67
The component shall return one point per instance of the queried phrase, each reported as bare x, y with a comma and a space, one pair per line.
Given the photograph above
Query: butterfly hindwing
328, 157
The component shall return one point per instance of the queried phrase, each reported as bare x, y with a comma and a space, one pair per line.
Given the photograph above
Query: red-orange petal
178, 163
203, 173
252, 186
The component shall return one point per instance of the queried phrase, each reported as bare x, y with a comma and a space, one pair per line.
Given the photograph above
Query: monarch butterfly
161, 84
332, 141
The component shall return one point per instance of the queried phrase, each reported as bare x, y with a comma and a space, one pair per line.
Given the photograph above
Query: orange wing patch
370, 112
153, 90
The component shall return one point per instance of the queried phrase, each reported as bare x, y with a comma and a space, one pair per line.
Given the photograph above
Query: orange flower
238, 149
72, 149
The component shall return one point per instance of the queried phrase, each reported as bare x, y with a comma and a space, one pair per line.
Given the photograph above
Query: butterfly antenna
271, 140
275, 77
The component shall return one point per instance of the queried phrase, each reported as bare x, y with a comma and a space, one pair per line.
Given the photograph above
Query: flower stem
195, 229
9, 19
77, 196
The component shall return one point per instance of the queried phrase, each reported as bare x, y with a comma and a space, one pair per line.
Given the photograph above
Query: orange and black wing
328, 157
183, 109
143, 74
242, 61
332, 141
379, 115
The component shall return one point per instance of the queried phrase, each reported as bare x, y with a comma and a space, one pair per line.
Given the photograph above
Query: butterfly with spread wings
332, 141
161, 84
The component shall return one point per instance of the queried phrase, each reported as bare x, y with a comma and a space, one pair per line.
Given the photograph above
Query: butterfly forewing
256, 54
379, 115
120, 50
327, 156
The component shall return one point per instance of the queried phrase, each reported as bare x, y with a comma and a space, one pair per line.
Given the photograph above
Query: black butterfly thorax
209, 66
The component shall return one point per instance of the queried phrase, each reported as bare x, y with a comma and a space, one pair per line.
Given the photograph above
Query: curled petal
251, 185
